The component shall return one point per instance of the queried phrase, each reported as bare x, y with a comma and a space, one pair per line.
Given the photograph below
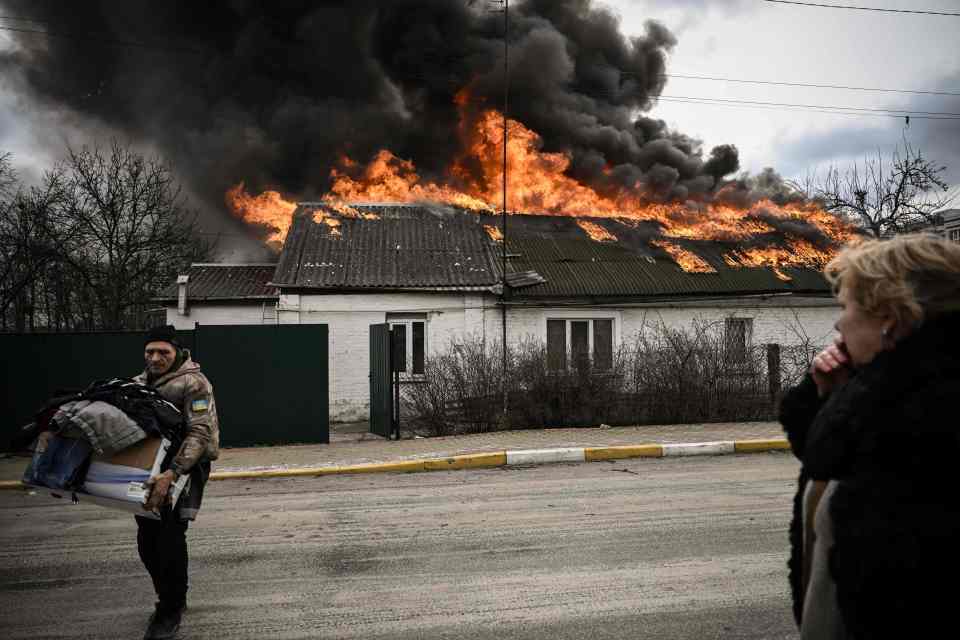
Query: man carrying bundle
162, 543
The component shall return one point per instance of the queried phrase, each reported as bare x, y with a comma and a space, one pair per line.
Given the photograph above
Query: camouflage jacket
192, 393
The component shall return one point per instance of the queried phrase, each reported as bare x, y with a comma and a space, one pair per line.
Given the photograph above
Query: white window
737, 338
954, 234
410, 334
579, 341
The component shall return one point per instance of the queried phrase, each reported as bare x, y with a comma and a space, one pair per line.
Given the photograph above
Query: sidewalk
352, 445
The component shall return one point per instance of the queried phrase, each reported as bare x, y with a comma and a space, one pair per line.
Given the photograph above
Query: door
381, 381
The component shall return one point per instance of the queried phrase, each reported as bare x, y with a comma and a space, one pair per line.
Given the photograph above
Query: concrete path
352, 445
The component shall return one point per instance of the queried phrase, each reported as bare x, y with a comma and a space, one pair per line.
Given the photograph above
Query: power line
846, 6
821, 106
803, 84
707, 101
769, 106
457, 82
893, 112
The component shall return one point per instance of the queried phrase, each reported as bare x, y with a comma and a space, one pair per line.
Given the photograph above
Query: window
954, 234
410, 335
737, 337
578, 342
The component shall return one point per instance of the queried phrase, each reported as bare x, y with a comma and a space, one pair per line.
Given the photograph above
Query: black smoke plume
272, 93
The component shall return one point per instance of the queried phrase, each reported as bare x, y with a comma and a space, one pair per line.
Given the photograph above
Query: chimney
182, 294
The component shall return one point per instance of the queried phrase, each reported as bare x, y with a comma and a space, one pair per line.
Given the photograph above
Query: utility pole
503, 224
503, 294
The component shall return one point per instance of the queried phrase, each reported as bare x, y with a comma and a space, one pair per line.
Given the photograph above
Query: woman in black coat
879, 415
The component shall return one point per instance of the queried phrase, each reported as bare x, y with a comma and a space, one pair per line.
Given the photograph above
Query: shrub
662, 375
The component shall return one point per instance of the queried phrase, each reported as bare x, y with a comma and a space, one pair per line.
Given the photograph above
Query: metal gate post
395, 418
396, 405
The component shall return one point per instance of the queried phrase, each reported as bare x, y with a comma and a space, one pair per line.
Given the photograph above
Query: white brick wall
208, 313
773, 320
349, 316
450, 316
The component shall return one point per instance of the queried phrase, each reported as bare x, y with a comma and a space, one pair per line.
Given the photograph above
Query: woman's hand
831, 367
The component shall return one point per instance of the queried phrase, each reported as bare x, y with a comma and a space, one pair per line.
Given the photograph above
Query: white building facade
447, 290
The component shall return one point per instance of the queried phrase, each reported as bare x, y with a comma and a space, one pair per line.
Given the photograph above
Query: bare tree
885, 197
32, 234
133, 230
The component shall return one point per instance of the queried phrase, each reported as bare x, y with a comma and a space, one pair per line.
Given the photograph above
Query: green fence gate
270, 381
384, 383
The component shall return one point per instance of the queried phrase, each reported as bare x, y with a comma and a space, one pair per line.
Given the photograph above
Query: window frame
408, 320
733, 352
568, 321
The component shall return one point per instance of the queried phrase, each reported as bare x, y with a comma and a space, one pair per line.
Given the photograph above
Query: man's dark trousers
163, 549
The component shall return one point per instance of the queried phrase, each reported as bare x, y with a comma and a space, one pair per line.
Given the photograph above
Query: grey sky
752, 39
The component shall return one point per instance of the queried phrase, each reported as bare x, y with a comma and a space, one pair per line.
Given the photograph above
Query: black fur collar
885, 397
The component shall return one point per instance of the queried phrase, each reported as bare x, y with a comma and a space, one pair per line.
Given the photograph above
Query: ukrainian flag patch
200, 405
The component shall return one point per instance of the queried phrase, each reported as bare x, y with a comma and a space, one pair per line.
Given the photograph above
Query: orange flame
688, 261
596, 232
495, 234
390, 179
801, 252
538, 184
268, 209
320, 217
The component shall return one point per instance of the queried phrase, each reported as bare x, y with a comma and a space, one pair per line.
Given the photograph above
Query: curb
505, 459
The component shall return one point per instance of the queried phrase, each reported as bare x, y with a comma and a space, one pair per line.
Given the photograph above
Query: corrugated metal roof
576, 268
401, 247
211, 281
549, 256
524, 279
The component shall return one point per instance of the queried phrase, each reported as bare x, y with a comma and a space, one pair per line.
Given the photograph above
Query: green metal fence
270, 381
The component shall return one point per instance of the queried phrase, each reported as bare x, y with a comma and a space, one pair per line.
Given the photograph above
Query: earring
885, 339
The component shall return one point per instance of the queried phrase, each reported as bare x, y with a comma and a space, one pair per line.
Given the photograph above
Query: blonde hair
912, 277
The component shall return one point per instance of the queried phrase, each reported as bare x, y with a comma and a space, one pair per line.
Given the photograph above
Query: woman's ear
893, 329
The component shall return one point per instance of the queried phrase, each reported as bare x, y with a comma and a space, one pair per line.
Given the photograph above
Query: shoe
164, 623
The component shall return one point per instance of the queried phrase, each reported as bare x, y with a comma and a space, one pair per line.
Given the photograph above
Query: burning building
577, 284
363, 141
579, 268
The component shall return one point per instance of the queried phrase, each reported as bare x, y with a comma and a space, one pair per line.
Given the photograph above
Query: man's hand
831, 368
159, 488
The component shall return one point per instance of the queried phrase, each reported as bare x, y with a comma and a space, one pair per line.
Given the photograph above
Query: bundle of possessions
102, 444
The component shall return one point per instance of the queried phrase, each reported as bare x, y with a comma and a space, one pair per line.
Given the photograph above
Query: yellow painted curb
375, 467
752, 446
627, 451
468, 461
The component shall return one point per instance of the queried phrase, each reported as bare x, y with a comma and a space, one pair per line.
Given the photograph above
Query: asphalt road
651, 548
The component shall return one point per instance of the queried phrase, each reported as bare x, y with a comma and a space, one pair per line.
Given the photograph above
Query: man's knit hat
163, 333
